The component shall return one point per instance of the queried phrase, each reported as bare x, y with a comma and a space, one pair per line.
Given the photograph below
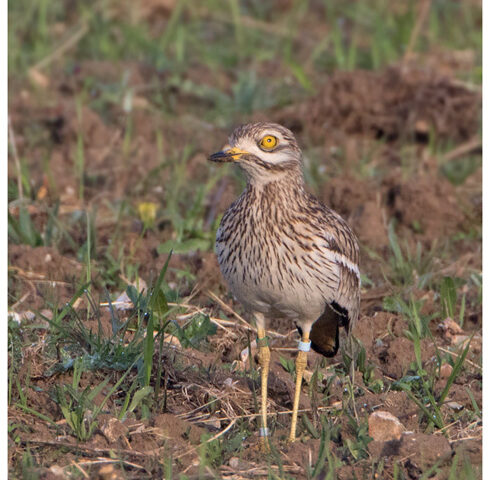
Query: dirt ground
373, 133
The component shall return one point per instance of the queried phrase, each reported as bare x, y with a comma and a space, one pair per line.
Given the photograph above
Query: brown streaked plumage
283, 252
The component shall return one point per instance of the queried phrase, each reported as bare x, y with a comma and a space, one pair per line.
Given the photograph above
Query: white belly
265, 281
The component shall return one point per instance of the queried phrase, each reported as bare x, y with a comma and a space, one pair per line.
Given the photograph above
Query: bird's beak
228, 154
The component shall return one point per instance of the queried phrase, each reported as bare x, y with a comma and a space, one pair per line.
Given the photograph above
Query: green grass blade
158, 302
148, 352
456, 369
448, 296
138, 396
37, 414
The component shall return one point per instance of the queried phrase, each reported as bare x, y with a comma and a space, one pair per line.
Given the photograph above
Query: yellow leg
264, 361
301, 361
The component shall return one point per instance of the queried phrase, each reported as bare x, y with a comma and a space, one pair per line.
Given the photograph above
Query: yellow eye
268, 142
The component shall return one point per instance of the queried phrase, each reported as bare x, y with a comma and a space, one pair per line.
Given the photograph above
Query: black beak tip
218, 157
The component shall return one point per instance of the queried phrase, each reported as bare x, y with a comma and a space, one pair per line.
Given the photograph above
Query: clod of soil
392, 105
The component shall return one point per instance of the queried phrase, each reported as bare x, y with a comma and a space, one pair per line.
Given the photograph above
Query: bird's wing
337, 245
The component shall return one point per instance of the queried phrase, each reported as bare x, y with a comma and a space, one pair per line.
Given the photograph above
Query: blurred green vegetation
240, 36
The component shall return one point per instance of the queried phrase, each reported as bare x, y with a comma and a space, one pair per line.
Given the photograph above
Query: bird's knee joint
264, 356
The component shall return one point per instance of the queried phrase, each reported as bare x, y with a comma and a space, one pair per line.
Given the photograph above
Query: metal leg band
264, 432
304, 346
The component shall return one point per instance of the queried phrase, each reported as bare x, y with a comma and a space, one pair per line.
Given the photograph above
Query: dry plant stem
229, 309
301, 362
91, 450
264, 361
253, 415
455, 355
424, 9
219, 434
245, 325
464, 149
80, 469
20, 301
104, 461
63, 48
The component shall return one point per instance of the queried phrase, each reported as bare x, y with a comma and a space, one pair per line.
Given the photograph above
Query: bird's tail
324, 333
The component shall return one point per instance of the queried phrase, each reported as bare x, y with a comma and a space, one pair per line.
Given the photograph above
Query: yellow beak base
227, 155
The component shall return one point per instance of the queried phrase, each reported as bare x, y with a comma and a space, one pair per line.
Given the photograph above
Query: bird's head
265, 151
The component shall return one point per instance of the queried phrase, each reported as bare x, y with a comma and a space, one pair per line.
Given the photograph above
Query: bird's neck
286, 188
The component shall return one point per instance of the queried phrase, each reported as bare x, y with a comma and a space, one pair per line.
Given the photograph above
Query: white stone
384, 427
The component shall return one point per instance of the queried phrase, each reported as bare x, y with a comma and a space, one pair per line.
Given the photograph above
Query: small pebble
455, 406
446, 370
214, 422
47, 313
57, 471
384, 427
